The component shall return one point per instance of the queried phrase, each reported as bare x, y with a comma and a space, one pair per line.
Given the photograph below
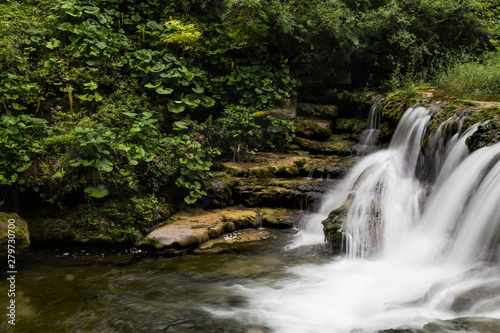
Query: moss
333, 227
22, 235
317, 111
336, 145
485, 135
115, 222
313, 129
276, 218
237, 218
396, 103
300, 163
483, 115
152, 245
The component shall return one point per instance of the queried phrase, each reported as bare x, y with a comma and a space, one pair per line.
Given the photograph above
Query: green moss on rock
394, 106
332, 227
317, 111
114, 223
20, 229
313, 129
485, 135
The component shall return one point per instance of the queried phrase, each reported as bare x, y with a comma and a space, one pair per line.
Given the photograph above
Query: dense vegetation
122, 98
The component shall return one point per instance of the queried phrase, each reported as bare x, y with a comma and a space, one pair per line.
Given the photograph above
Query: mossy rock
393, 108
317, 111
353, 126
332, 227
115, 223
485, 135
192, 227
20, 229
336, 145
313, 129
280, 218
267, 165
488, 113
220, 190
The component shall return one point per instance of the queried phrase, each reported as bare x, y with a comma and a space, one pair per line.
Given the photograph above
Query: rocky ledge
194, 227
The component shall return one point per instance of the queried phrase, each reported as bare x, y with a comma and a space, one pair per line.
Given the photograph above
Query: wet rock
332, 227
257, 329
19, 228
280, 218
235, 241
192, 227
295, 193
353, 126
466, 324
317, 111
301, 164
319, 130
335, 145
283, 113
468, 299
485, 135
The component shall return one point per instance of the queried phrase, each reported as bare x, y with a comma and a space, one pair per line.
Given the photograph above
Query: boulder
352, 126
317, 111
466, 300
335, 145
312, 129
192, 227
332, 227
19, 227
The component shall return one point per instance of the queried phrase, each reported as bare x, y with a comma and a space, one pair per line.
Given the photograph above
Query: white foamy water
411, 258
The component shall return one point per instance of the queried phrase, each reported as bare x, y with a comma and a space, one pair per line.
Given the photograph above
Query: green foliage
192, 157
18, 145
117, 98
473, 75
241, 132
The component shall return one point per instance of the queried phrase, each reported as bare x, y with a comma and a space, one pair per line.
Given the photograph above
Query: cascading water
368, 140
408, 263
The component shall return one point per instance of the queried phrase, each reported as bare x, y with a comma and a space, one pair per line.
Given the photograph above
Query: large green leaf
66, 26
104, 165
164, 91
97, 192
151, 85
144, 55
175, 107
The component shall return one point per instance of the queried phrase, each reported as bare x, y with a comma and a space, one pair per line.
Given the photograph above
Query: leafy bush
241, 132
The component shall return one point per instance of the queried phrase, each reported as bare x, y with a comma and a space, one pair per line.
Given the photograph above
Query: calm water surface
79, 291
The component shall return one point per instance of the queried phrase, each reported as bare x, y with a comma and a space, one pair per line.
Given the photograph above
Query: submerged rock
465, 325
486, 293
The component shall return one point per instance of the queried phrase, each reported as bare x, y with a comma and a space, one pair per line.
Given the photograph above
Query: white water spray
407, 263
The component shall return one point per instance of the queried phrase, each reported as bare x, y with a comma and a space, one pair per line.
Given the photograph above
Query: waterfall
368, 139
414, 252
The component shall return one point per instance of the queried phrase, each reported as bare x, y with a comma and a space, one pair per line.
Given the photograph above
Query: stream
415, 253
